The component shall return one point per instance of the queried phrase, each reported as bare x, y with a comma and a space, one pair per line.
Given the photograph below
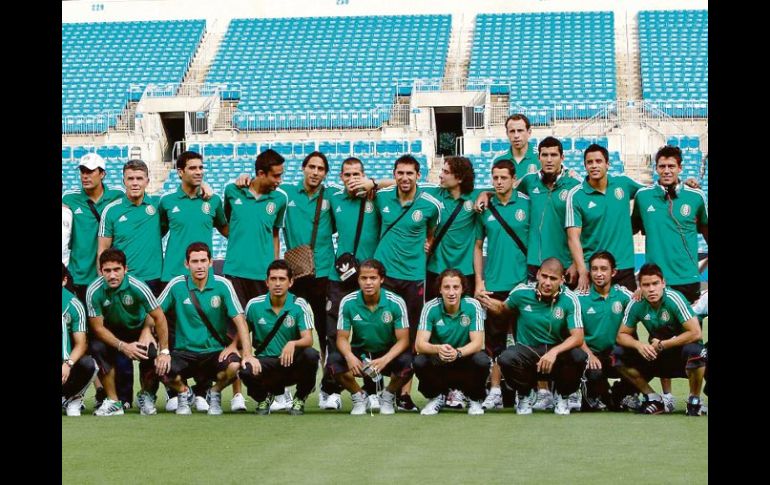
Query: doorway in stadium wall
173, 128
449, 126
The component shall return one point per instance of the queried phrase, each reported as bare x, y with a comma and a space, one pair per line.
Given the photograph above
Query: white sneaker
172, 404
281, 401
475, 408
669, 402
201, 405
329, 401
183, 402
575, 401
374, 402
214, 399
146, 403
73, 406
455, 399
524, 404
433, 406
360, 403
387, 402
238, 403
562, 405
109, 408
494, 400
544, 400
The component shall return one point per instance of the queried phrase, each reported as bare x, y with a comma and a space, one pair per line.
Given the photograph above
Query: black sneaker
99, 397
694, 406
650, 406
297, 407
405, 403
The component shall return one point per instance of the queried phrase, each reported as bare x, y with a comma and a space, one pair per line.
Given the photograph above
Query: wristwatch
165, 352
459, 354
69, 362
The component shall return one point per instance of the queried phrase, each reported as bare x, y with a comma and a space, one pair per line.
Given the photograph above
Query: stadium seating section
294, 66
101, 60
673, 49
553, 62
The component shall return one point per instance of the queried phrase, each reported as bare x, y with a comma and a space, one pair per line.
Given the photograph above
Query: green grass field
333, 447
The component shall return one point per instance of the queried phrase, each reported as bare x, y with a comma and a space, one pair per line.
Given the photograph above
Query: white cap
92, 161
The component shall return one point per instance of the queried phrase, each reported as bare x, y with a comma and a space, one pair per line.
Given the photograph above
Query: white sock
495, 390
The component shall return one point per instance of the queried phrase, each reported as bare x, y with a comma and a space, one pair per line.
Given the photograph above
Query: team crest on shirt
465, 320
387, 317
468, 206
617, 307
270, 208
563, 194
558, 313
325, 205
128, 300
685, 210
206, 208
289, 322
67, 318
664, 316
520, 215
417, 215
150, 210
619, 193
368, 207
216, 301
531, 169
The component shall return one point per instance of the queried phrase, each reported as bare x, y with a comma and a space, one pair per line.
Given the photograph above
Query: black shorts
496, 327
246, 289
400, 366
674, 362
413, 293
203, 367
690, 291
625, 277
106, 355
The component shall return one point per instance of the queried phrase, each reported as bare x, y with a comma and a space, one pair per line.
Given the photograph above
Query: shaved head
553, 264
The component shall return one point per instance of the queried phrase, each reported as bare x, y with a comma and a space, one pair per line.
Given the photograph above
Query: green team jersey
373, 331
604, 218
85, 230
135, 230
218, 302
529, 164
123, 308
602, 316
671, 230
261, 319
187, 220
402, 249
506, 264
456, 329
298, 229
345, 209
663, 322
547, 237
541, 322
252, 220
455, 250
73, 319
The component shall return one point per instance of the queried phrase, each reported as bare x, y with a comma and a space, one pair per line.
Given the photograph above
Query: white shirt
66, 233
701, 307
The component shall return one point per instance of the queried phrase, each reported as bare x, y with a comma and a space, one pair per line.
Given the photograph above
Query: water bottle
368, 370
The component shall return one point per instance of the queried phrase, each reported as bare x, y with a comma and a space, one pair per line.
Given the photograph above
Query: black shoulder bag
508, 229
